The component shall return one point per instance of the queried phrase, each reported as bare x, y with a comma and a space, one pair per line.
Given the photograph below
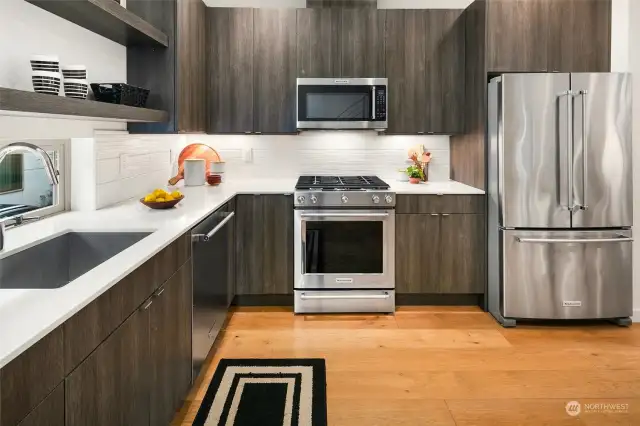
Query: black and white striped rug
266, 392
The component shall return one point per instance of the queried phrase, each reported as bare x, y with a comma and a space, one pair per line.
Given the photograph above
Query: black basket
120, 93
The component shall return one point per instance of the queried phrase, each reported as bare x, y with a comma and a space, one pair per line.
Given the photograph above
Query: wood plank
39, 103
29, 378
368, 412
107, 18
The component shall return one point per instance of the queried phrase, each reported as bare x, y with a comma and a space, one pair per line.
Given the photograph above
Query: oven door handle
303, 296
354, 215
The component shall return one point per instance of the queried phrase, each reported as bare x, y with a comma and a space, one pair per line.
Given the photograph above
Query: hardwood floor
444, 366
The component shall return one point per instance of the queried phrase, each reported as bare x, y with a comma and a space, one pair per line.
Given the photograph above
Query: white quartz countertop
28, 315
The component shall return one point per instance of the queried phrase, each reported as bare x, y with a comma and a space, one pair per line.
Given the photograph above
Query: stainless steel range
344, 245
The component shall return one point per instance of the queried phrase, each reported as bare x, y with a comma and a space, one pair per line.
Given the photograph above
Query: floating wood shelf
107, 18
38, 103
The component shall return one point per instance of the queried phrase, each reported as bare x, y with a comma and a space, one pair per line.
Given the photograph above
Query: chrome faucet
50, 169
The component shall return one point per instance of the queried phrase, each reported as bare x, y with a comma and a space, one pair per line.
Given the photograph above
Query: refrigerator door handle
619, 239
585, 147
570, 198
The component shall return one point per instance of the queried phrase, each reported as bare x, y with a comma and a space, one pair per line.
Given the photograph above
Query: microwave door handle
373, 103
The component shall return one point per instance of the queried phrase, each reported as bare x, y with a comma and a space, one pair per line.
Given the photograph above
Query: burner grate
341, 182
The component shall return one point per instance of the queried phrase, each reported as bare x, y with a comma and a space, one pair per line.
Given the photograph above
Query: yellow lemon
176, 194
168, 197
159, 200
159, 192
150, 198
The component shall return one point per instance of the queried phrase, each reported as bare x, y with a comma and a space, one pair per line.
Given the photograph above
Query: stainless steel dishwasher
213, 263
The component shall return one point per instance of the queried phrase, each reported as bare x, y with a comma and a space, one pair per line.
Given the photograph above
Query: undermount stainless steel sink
56, 262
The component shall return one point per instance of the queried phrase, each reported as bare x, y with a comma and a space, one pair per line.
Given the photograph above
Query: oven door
342, 104
344, 249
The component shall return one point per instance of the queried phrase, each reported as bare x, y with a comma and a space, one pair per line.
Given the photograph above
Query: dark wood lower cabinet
50, 412
170, 346
417, 253
264, 244
440, 253
27, 380
111, 387
462, 253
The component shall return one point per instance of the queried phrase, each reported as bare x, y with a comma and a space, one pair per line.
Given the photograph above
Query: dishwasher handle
203, 238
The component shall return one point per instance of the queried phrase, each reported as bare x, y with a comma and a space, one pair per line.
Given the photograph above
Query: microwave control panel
381, 103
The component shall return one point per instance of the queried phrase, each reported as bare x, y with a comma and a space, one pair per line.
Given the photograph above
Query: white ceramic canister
194, 171
217, 167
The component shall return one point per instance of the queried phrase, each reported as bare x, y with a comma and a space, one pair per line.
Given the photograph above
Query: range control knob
301, 199
388, 199
375, 199
314, 199
344, 199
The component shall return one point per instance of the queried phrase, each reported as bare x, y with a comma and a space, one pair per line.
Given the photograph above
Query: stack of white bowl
45, 74
75, 81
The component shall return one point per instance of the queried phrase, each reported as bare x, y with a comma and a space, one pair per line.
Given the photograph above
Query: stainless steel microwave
348, 103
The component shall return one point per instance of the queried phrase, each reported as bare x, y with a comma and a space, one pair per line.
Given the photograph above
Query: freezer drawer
348, 301
566, 274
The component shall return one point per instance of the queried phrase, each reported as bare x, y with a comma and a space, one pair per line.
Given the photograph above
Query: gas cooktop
341, 183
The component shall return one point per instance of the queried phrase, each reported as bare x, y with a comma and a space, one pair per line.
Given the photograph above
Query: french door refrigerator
560, 197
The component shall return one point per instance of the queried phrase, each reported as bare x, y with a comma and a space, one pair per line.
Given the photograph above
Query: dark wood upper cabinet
362, 43
175, 75
264, 249
548, 35
580, 35
319, 43
445, 68
274, 70
425, 60
517, 35
230, 70
170, 346
405, 57
111, 387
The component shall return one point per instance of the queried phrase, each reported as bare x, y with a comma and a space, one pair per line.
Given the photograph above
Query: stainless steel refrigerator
560, 197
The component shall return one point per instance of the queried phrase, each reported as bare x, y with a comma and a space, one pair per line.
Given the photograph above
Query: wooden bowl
161, 205
214, 180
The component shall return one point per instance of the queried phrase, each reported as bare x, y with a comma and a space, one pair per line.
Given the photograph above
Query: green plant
415, 172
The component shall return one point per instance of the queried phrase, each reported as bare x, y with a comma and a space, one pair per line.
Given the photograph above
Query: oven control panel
342, 199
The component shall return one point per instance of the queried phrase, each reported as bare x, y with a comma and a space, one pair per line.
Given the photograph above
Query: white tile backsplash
127, 166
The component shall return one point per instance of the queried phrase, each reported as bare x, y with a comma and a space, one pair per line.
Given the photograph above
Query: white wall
423, 4
127, 166
256, 3
26, 30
